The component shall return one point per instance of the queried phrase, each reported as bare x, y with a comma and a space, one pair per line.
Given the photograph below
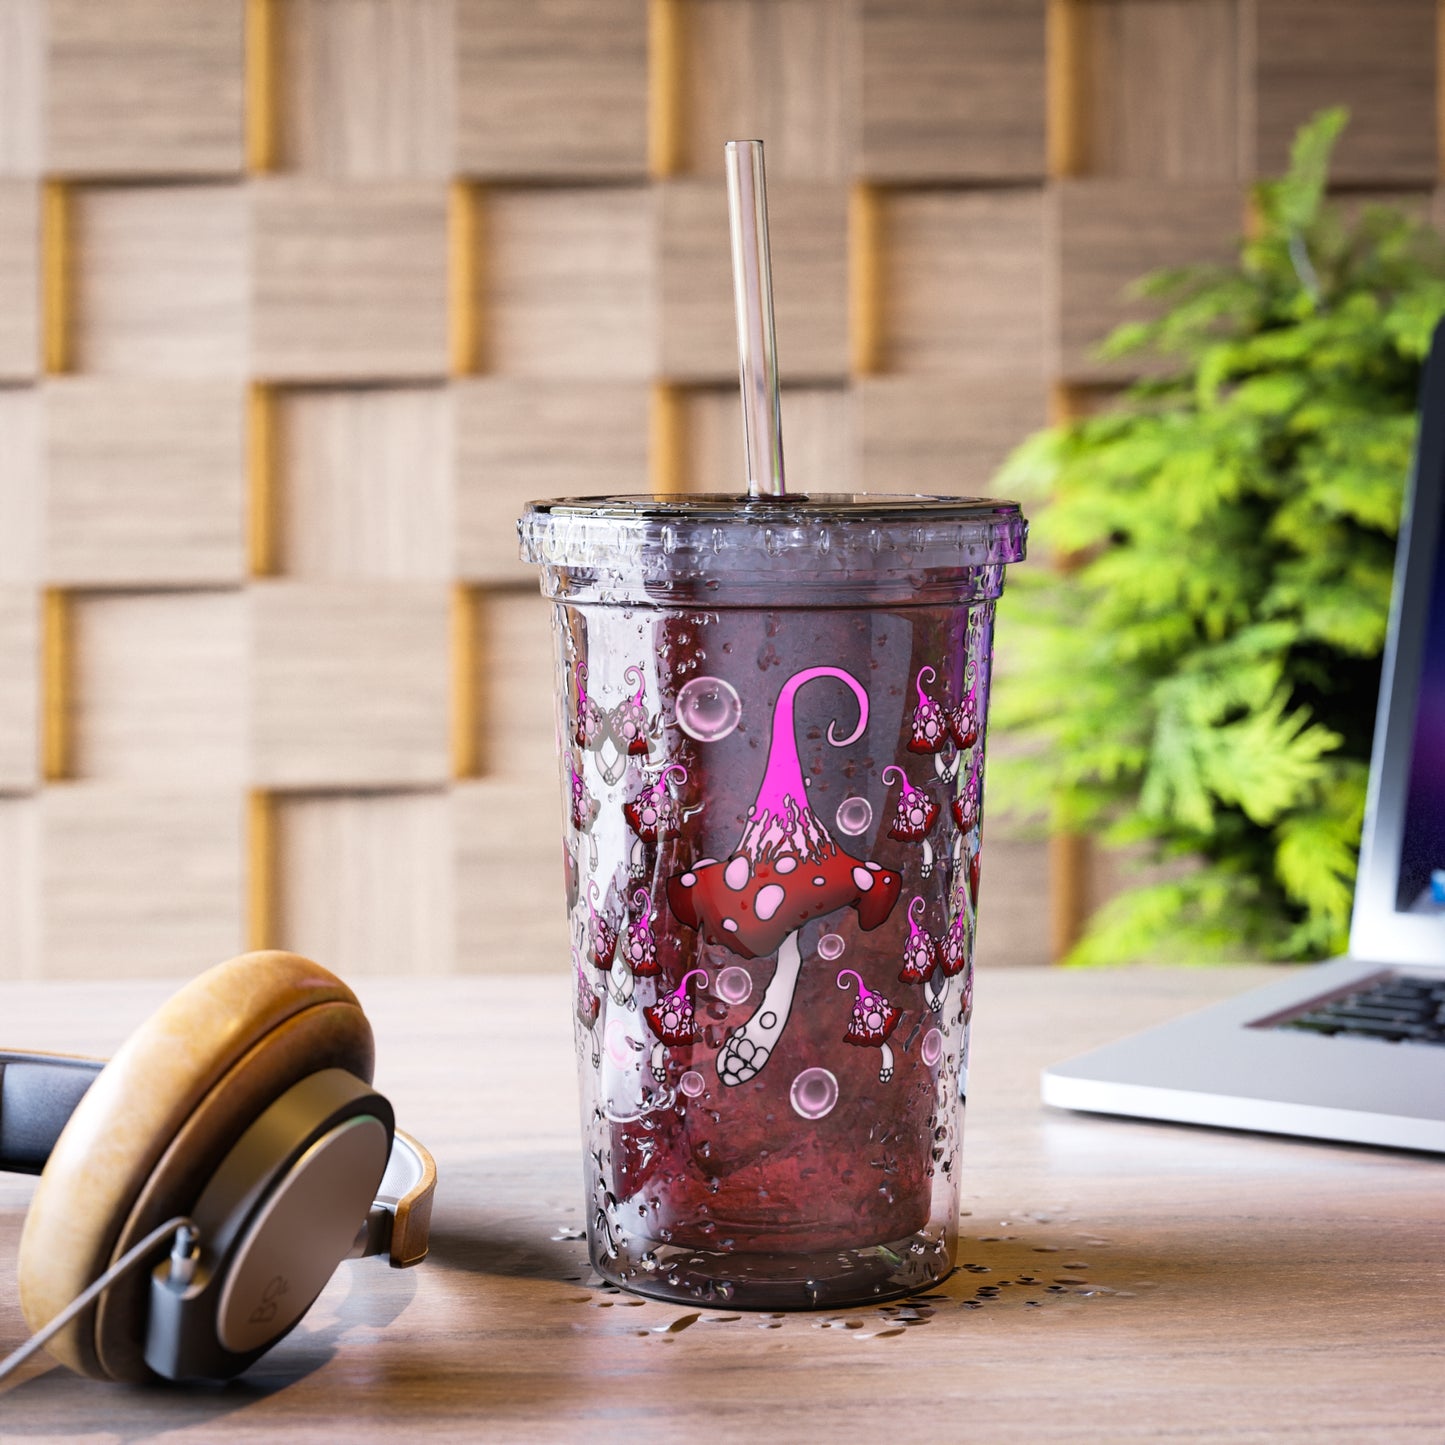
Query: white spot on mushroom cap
737, 873
785, 864
769, 900
688, 879
731, 924
863, 878
820, 881
873, 867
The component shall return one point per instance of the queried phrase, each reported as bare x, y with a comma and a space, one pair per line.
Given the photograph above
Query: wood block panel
20, 888
20, 484
144, 87
1110, 233
962, 283
517, 441
365, 483
19, 688
350, 279
1378, 59
366, 882
818, 450
139, 882
22, 85
952, 89
511, 905
19, 280
808, 226
144, 481
158, 687
160, 280
935, 434
515, 685
779, 69
551, 90
1013, 903
568, 282
366, 87
350, 684
1158, 89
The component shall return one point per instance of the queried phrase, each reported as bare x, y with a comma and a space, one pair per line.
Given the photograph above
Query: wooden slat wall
301, 299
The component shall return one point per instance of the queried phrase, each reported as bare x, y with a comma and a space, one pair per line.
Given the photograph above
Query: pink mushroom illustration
872, 1022
629, 731
914, 818
654, 813
955, 948
929, 729
639, 946
591, 726
785, 871
672, 1019
963, 721
601, 932
589, 1006
920, 953
967, 806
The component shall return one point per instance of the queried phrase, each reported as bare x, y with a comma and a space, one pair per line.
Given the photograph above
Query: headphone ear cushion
155, 1124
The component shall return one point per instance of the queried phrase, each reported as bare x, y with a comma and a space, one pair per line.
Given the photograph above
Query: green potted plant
1200, 677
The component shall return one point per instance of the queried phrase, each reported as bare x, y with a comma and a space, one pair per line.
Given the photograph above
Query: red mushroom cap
917, 812
920, 953
873, 1018
928, 732
671, 1018
963, 723
751, 910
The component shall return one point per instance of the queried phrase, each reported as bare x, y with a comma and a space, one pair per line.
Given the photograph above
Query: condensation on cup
771, 719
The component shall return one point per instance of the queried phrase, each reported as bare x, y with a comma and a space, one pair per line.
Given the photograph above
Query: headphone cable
183, 1256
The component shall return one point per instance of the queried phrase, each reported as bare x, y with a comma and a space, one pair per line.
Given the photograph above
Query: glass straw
753, 298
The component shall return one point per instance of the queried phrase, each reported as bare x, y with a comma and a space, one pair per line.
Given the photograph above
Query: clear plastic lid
821, 549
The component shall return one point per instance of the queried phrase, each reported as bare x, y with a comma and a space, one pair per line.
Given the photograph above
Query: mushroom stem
637, 862
947, 771
885, 1065
750, 1048
659, 1063
927, 867
620, 977
936, 990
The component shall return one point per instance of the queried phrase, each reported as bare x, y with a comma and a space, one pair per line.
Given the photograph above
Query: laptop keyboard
1396, 1008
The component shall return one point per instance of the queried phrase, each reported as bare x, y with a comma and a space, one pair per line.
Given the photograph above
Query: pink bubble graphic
708, 708
734, 984
830, 946
620, 1048
691, 1083
854, 815
931, 1049
814, 1093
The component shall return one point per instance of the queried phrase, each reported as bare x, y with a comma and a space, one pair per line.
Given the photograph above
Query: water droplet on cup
734, 984
931, 1049
708, 708
814, 1093
830, 946
854, 815
692, 1083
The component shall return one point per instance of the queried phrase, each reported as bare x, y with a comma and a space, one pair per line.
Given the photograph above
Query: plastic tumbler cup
771, 724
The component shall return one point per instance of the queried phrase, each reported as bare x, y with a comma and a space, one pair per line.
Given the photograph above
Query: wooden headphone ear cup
155, 1124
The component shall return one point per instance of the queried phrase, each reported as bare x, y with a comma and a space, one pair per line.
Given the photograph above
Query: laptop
1352, 1049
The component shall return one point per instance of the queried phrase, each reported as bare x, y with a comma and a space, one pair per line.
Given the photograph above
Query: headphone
237, 1126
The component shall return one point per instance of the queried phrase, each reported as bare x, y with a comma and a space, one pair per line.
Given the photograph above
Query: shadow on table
58, 1404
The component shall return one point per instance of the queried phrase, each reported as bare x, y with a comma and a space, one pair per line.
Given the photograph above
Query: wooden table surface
1215, 1285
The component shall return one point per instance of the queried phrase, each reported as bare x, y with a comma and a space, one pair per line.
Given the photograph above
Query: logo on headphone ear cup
281, 1212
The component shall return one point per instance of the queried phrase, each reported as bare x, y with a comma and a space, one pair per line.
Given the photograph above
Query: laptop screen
1422, 846
1399, 912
